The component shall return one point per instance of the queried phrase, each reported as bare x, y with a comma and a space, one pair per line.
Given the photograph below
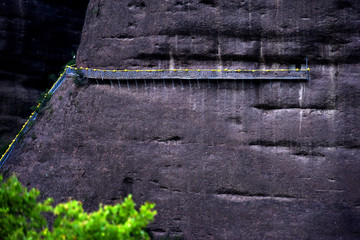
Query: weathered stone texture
227, 159
36, 39
218, 34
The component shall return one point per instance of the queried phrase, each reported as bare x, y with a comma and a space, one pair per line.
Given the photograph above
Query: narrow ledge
266, 107
238, 198
243, 196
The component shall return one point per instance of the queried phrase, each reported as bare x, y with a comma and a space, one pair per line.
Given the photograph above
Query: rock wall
219, 34
226, 159
37, 38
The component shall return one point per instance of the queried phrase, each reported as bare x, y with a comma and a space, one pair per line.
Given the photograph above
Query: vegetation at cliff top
43, 100
53, 77
21, 217
79, 78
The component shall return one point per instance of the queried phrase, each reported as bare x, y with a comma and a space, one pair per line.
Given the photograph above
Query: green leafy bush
72, 62
79, 78
20, 214
54, 77
21, 217
42, 101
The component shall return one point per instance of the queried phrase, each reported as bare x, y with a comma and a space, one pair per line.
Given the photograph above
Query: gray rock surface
36, 39
218, 34
227, 159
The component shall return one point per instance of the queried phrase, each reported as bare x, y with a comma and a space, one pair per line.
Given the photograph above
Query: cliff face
37, 38
211, 33
227, 159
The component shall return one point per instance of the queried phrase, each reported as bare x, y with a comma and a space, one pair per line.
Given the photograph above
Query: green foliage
96, 11
33, 136
109, 222
53, 77
79, 79
21, 217
21, 214
29, 126
31, 123
43, 100
45, 97
33, 108
71, 62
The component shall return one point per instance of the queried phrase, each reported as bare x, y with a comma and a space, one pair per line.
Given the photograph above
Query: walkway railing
241, 74
33, 116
